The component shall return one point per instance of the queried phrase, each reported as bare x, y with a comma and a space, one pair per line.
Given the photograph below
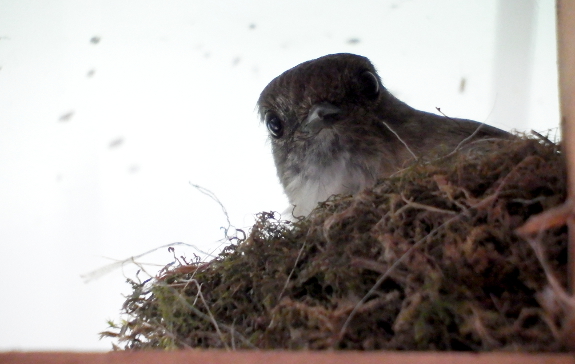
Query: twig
211, 318
213, 196
292, 270
542, 137
401, 140
554, 217
95, 274
461, 143
415, 205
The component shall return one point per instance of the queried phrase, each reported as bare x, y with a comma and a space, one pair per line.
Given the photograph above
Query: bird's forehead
323, 79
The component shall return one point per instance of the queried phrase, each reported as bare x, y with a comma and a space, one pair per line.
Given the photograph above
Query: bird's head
322, 107
316, 94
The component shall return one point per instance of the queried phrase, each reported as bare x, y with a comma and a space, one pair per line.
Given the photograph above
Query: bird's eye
369, 84
274, 125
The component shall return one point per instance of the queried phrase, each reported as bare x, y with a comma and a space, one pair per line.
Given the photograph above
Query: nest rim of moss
425, 260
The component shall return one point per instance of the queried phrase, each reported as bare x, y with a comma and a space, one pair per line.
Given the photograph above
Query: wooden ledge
281, 357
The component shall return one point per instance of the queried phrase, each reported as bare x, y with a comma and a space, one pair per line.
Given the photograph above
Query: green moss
431, 251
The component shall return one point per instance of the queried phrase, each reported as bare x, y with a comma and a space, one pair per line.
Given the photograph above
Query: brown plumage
335, 129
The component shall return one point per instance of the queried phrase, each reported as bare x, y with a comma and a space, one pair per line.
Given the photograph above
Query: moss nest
426, 260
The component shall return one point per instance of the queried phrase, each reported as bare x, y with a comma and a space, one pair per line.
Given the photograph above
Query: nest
426, 260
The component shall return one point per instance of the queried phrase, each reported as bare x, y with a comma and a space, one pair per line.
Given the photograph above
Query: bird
335, 129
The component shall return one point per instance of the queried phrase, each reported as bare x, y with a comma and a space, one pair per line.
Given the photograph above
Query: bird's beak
320, 116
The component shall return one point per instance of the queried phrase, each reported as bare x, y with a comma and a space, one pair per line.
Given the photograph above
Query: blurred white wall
109, 108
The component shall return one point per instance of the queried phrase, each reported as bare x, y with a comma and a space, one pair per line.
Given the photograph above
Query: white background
99, 140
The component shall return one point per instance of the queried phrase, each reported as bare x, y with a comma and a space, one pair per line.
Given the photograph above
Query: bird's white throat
316, 183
